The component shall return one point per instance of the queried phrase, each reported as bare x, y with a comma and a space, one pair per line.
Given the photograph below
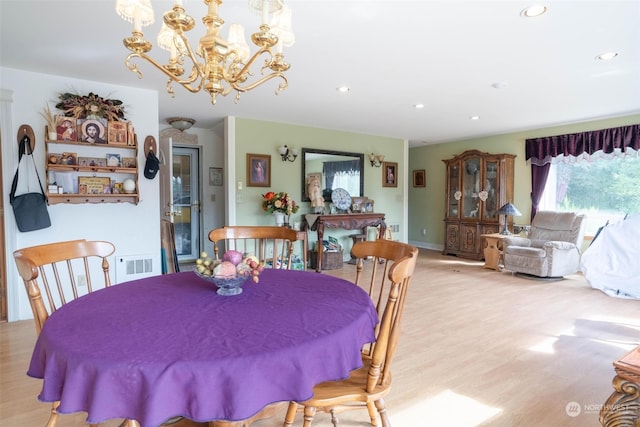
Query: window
343, 174
605, 189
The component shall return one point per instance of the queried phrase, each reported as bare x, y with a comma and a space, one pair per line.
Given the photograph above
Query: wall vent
395, 228
133, 267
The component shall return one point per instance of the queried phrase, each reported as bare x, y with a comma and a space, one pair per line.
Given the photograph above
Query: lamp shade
168, 40
281, 27
139, 12
265, 8
509, 209
237, 41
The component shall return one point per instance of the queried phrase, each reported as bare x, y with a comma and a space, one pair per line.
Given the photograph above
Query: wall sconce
376, 160
288, 154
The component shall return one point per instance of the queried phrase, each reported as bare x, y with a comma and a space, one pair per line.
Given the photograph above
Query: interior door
3, 276
165, 174
185, 186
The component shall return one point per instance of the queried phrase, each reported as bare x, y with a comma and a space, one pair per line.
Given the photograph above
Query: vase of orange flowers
280, 205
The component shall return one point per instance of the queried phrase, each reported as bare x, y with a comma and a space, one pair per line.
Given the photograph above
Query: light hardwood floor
479, 348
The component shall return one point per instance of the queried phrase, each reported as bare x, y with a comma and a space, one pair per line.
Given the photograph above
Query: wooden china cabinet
477, 185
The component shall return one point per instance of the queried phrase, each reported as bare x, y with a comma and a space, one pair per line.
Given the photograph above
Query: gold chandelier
218, 65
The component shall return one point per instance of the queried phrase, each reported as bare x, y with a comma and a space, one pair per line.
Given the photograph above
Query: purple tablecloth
169, 345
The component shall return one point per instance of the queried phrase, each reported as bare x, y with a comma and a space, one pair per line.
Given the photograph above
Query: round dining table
166, 346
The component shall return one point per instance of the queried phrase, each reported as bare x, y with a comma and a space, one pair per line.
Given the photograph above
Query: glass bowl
227, 286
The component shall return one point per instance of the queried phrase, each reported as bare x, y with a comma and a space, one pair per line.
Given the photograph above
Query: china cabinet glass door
491, 190
454, 193
471, 188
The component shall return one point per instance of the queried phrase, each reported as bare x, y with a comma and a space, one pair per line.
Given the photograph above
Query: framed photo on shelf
258, 170
114, 160
66, 129
368, 206
92, 162
389, 174
117, 133
215, 177
93, 184
419, 179
68, 159
358, 204
93, 131
128, 162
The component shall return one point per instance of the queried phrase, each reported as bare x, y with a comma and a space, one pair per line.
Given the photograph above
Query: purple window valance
543, 150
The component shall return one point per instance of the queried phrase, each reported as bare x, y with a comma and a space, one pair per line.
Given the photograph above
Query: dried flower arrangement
49, 117
90, 106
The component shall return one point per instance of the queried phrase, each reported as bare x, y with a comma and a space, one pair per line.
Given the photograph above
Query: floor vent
133, 267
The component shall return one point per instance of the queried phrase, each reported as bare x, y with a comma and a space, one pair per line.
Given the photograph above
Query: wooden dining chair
63, 269
272, 245
387, 281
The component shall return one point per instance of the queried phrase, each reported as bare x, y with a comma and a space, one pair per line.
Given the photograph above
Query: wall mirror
336, 169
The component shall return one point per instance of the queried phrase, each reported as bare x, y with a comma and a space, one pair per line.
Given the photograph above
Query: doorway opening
185, 185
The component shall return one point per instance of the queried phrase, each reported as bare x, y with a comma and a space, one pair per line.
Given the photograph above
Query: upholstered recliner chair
552, 249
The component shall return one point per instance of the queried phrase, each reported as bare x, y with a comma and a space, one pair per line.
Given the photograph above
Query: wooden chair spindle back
391, 268
270, 244
58, 266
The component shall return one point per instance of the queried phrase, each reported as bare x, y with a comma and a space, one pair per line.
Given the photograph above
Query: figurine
315, 194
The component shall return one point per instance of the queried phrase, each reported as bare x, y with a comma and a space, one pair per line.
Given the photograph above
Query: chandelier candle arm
219, 65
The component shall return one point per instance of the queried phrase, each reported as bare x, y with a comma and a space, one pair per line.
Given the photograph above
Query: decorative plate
341, 198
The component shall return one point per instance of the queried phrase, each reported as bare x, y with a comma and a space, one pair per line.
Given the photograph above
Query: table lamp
508, 210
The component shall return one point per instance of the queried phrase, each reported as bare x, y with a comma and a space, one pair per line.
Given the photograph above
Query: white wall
134, 229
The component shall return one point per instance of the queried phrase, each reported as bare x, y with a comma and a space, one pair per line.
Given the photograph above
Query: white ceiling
393, 54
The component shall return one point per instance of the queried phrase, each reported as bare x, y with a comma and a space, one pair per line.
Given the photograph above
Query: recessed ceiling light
418, 106
343, 89
474, 117
533, 11
606, 56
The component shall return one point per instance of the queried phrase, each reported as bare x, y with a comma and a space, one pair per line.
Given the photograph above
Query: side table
622, 409
493, 250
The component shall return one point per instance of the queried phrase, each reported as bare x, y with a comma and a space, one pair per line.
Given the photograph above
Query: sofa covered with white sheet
612, 262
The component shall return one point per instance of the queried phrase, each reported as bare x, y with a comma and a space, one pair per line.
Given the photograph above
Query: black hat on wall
152, 165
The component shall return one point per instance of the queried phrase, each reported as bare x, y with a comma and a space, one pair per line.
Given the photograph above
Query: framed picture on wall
419, 179
215, 177
389, 174
258, 170
117, 133
93, 131
66, 129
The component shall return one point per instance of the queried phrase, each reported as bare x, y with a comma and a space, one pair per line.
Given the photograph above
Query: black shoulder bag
29, 209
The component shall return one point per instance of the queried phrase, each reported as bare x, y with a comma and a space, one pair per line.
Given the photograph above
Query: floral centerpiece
279, 202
